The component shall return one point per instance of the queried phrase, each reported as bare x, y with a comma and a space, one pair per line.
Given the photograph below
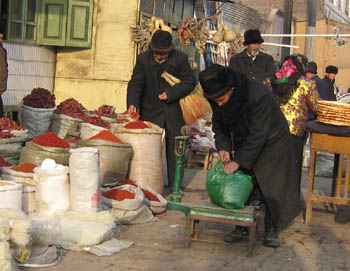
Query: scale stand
175, 202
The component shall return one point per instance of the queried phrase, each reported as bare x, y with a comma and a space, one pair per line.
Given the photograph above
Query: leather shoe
271, 239
239, 234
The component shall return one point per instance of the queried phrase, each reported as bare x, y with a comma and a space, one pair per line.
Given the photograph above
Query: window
22, 20
49, 22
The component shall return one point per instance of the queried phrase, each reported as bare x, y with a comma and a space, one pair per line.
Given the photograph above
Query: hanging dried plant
141, 34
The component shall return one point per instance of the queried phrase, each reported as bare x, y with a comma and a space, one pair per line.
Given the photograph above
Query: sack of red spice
114, 156
35, 153
153, 199
157, 203
127, 203
146, 143
22, 173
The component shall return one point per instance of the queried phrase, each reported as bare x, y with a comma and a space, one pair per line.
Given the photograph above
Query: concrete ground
322, 246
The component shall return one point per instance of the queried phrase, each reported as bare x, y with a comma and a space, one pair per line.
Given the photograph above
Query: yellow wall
326, 53
100, 75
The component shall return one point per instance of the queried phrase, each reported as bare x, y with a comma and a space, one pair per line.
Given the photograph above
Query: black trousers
298, 143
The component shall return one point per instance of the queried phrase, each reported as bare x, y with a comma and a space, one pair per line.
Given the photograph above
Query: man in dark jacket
154, 98
329, 80
247, 119
321, 87
3, 69
252, 62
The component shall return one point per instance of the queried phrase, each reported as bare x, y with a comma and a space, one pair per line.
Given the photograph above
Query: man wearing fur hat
329, 80
248, 120
251, 61
153, 97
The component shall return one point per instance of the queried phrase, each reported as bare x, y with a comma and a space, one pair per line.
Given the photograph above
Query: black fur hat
161, 42
312, 67
252, 36
332, 69
215, 81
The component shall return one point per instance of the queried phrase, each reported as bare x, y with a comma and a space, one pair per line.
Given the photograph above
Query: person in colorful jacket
3, 69
298, 98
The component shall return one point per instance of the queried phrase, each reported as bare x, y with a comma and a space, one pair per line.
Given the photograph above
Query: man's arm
188, 83
136, 85
3, 71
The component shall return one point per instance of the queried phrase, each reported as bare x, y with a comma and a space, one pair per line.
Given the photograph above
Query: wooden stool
213, 213
194, 158
333, 144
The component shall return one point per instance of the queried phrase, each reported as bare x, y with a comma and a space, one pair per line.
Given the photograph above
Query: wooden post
287, 26
311, 29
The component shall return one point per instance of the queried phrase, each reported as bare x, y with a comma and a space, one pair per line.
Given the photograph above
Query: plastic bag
230, 191
36, 120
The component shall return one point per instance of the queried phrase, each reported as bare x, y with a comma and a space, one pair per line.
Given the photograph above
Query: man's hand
132, 109
163, 96
224, 156
231, 167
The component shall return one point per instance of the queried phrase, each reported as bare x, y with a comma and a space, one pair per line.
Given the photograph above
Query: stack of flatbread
334, 113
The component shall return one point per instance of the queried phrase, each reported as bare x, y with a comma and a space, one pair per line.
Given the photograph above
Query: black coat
261, 68
322, 88
328, 89
262, 144
146, 84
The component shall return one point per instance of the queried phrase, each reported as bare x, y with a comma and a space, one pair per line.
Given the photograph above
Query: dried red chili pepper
4, 163
4, 135
9, 124
49, 139
71, 107
105, 111
40, 98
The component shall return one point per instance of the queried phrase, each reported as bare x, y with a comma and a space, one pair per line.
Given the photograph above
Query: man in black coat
154, 98
247, 119
321, 86
251, 61
329, 80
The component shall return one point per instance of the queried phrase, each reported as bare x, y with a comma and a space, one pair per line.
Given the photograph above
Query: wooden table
212, 213
339, 145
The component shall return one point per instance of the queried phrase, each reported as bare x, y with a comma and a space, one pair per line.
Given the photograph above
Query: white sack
85, 180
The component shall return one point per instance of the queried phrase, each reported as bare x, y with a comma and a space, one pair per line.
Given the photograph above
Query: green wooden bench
212, 213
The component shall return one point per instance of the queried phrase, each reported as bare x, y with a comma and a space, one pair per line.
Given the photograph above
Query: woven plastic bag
36, 120
230, 191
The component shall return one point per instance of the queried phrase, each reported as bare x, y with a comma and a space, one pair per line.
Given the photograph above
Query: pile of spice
106, 135
9, 124
97, 121
118, 194
27, 168
136, 125
72, 108
40, 98
105, 111
150, 196
4, 163
49, 139
4, 135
